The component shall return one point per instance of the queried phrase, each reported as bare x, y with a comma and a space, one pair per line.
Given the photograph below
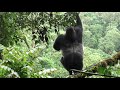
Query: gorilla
71, 46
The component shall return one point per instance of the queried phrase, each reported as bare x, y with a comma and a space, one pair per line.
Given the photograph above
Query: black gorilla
71, 46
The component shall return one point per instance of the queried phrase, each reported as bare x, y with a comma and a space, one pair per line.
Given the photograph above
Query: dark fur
71, 46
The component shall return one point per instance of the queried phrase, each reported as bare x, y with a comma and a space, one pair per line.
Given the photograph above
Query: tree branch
83, 74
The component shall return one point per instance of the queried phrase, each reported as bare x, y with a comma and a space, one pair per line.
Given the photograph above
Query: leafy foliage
26, 40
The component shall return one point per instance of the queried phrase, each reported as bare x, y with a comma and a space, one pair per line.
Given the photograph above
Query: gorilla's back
72, 48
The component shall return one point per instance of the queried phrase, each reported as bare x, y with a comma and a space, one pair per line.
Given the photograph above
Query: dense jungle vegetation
26, 42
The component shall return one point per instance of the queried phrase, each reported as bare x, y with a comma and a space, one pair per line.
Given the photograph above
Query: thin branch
90, 73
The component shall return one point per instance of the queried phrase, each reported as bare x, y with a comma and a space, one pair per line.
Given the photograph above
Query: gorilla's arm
58, 42
79, 28
78, 21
